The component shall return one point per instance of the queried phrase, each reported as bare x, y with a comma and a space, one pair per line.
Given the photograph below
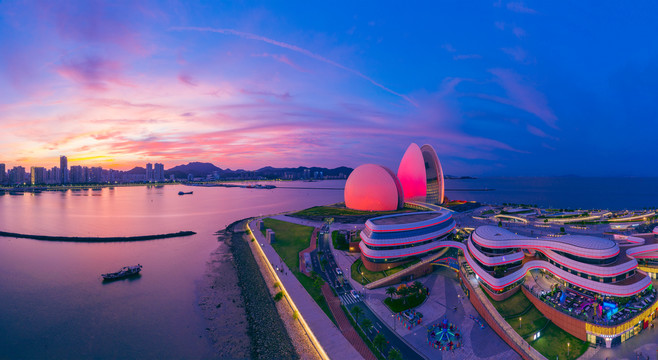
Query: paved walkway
327, 334
344, 324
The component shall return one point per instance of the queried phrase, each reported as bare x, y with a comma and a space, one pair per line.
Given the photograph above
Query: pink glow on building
411, 173
373, 187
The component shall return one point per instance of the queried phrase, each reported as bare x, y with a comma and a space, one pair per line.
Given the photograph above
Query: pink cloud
284, 59
186, 79
92, 73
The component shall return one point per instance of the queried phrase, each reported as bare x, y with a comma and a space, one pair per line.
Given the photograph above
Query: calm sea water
52, 301
561, 192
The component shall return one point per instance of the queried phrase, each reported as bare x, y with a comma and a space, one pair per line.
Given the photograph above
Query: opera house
388, 241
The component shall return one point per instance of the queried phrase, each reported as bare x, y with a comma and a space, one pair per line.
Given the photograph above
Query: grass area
397, 305
290, 240
340, 243
370, 276
330, 211
553, 340
553, 344
513, 305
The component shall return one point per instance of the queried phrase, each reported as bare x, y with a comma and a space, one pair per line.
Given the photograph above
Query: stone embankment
96, 239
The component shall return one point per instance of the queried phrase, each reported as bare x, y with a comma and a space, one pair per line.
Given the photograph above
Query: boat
125, 271
185, 193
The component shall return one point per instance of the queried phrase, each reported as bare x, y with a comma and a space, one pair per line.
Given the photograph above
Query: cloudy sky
498, 87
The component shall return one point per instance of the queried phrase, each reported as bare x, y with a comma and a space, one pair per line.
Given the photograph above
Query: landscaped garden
339, 240
527, 321
405, 297
330, 211
364, 276
290, 240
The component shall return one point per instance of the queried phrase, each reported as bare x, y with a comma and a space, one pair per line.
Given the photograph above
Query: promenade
332, 341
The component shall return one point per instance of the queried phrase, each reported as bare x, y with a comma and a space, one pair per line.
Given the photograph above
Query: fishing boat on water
125, 271
185, 193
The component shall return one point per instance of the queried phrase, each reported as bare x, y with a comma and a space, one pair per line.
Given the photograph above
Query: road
349, 300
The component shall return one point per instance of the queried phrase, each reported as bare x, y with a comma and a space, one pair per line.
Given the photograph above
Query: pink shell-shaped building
421, 175
373, 187
411, 173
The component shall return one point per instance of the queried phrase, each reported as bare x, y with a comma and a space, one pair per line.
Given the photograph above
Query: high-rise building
64, 169
76, 175
37, 175
3, 175
17, 175
158, 172
96, 174
149, 172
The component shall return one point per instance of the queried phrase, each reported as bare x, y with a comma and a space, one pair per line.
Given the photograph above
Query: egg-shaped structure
433, 175
411, 173
373, 187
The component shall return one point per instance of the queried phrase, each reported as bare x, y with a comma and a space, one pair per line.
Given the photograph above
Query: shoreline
96, 239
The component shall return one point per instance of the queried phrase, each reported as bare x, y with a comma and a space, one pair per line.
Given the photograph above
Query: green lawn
398, 305
553, 341
370, 276
553, 344
330, 211
513, 305
290, 239
339, 241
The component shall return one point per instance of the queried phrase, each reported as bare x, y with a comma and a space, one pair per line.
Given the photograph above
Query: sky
499, 88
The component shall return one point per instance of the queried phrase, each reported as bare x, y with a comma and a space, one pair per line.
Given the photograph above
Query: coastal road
344, 290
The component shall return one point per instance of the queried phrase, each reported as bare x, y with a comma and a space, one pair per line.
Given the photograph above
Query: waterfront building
373, 188
37, 175
3, 174
389, 241
64, 169
149, 172
158, 172
17, 175
96, 174
419, 179
589, 286
76, 175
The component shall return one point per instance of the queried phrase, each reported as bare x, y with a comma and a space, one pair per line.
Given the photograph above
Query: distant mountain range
203, 169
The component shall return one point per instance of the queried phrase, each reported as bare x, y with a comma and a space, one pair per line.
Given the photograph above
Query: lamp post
519, 322
568, 348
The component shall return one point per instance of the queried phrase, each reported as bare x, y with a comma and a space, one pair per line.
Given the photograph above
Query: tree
379, 341
562, 230
403, 292
356, 311
545, 220
390, 291
366, 324
394, 354
418, 287
500, 223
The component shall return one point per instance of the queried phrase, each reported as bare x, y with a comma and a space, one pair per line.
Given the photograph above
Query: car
338, 272
355, 294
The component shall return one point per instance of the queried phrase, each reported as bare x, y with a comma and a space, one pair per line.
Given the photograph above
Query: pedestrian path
348, 299
344, 324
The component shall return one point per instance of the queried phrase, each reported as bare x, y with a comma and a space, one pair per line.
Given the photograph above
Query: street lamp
568, 348
519, 322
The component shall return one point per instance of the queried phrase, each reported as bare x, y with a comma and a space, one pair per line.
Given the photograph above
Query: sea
53, 303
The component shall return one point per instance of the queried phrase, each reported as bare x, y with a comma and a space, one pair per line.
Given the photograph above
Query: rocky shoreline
243, 321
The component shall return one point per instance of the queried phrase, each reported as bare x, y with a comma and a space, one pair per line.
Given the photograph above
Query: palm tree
418, 287
403, 292
366, 324
394, 354
379, 341
356, 311
390, 291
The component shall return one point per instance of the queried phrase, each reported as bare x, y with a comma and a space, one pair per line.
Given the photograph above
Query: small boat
125, 271
185, 193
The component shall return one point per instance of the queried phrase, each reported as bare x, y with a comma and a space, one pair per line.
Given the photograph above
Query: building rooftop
399, 219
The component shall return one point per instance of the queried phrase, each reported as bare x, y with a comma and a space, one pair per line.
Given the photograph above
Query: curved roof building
388, 240
411, 173
433, 175
373, 187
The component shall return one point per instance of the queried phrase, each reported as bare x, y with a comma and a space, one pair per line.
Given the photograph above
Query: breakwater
96, 239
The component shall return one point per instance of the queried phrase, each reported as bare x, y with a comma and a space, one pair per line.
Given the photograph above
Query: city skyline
245, 86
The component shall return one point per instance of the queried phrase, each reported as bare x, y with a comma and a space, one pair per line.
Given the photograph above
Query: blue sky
498, 87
